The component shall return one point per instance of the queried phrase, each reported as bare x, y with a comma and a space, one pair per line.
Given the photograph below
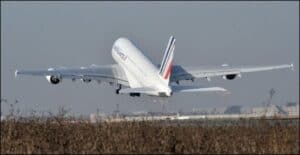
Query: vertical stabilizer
166, 64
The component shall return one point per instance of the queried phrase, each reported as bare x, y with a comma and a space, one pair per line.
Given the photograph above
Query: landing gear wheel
118, 90
135, 94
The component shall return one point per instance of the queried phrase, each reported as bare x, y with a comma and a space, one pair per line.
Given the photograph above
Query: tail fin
166, 64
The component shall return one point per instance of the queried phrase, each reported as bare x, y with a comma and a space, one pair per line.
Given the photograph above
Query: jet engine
231, 76
54, 79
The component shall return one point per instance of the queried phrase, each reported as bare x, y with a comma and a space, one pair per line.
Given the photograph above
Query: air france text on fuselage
120, 53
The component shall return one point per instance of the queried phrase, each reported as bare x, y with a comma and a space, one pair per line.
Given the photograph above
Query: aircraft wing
109, 73
183, 89
143, 90
190, 73
175, 89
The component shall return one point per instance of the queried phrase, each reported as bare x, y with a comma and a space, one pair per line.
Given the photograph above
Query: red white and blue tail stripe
166, 65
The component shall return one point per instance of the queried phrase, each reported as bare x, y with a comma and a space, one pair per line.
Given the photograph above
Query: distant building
246, 110
140, 113
96, 117
291, 104
235, 109
291, 108
274, 110
258, 110
206, 111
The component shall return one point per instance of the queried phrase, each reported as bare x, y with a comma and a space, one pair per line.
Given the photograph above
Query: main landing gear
118, 90
135, 94
130, 94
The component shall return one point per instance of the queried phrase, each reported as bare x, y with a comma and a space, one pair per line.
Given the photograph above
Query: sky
40, 35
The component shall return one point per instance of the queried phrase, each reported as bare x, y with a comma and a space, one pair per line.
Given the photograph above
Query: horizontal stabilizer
142, 90
179, 89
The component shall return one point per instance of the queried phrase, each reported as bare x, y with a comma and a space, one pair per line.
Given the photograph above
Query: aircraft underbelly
132, 79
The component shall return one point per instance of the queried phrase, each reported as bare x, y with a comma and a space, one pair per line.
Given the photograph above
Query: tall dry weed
57, 135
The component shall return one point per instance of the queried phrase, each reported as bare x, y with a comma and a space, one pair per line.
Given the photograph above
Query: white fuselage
140, 71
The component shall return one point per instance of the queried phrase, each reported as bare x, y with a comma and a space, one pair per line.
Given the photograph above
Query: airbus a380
135, 74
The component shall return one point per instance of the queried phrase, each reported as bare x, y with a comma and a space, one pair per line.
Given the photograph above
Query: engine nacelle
231, 76
54, 79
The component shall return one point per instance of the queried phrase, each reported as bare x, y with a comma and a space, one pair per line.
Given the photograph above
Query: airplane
135, 74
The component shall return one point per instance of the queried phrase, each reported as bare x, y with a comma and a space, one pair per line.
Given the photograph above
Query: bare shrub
57, 134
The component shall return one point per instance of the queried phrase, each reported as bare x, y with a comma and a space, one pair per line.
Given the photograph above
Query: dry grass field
58, 135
